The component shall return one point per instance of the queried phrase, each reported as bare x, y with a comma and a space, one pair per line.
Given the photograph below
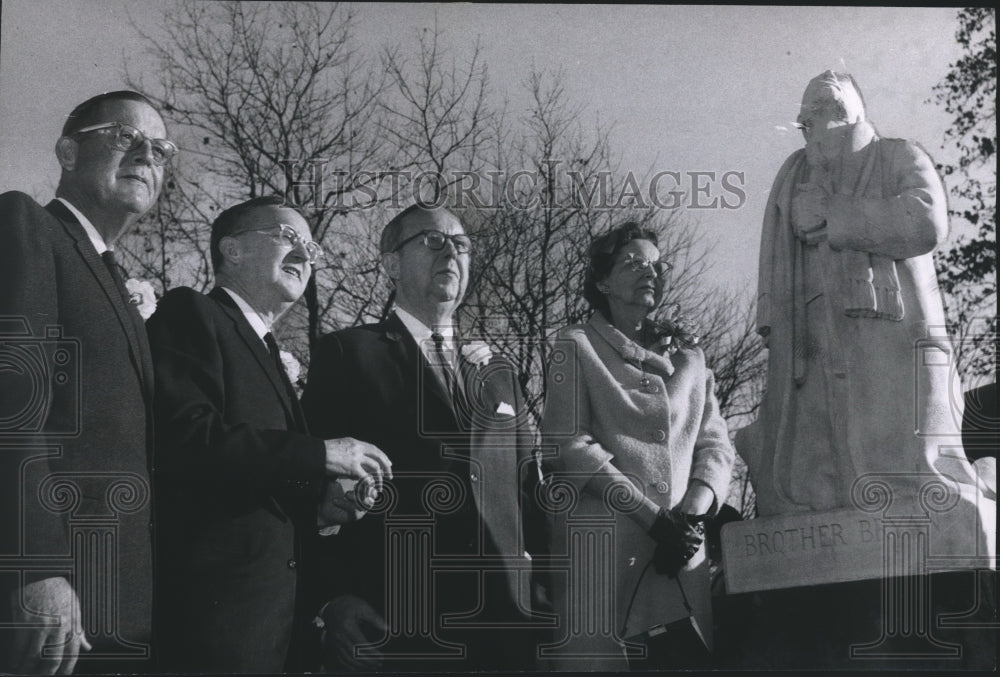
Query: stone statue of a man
859, 376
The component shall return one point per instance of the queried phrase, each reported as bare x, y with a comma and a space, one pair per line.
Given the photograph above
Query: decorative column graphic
587, 626
906, 503
409, 583
94, 534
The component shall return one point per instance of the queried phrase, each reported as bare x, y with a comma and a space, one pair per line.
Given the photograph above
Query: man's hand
359, 460
51, 602
344, 500
348, 622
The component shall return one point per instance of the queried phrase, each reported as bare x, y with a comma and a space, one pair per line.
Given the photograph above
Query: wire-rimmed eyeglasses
639, 264
290, 237
128, 138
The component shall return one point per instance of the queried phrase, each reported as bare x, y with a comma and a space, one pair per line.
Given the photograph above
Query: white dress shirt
92, 234
421, 333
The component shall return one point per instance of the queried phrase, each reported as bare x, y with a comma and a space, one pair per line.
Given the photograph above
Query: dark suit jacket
459, 472
237, 475
76, 389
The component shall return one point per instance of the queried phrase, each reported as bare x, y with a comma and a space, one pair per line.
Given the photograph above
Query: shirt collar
421, 333
253, 317
92, 234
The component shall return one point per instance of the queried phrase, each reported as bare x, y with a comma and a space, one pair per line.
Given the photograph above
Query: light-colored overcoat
656, 418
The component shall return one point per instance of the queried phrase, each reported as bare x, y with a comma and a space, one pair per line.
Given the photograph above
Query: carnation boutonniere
142, 296
291, 365
477, 353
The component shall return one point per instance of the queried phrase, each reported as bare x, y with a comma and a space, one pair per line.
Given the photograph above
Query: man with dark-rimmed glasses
436, 577
76, 394
239, 478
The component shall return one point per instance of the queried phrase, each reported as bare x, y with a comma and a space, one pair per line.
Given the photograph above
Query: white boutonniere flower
142, 296
477, 353
292, 366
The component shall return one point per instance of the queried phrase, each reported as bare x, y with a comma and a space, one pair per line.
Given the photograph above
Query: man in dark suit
238, 477
76, 391
436, 575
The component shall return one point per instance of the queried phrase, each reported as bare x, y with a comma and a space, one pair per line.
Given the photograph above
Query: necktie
111, 263
443, 365
272, 347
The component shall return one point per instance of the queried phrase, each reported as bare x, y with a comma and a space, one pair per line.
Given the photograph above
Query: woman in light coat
639, 455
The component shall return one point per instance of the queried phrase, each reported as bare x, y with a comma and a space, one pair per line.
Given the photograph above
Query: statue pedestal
907, 579
943, 621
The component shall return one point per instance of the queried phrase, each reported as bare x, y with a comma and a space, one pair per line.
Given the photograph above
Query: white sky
690, 88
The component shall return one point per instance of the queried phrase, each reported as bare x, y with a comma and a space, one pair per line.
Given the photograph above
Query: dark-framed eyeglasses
290, 237
640, 264
435, 240
128, 138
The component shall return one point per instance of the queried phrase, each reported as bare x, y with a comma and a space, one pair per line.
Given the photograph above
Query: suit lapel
259, 351
129, 318
631, 351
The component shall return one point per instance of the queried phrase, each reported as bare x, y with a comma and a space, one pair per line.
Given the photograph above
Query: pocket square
506, 409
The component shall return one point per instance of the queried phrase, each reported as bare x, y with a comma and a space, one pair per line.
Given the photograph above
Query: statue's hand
809, 208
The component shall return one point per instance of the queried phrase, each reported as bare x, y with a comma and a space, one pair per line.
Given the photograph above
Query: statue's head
831, 103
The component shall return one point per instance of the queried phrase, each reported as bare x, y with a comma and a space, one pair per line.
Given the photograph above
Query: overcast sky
690, 88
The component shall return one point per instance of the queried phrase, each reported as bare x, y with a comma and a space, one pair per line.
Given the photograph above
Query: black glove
678, 537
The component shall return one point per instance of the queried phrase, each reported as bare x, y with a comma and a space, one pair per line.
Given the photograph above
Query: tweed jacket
663, 434
655, 417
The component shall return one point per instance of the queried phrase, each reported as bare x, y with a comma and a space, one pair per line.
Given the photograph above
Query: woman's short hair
602, 254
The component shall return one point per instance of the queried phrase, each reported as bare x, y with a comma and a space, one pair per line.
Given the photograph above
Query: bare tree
169, 245
967, 270
560, 187
270, 98
437, 115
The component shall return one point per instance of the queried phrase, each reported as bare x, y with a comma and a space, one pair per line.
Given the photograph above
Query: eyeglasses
435, 240
128, 138
639, 264
291, 237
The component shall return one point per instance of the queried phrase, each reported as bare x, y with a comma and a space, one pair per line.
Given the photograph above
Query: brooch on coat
663, 337
669, 335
